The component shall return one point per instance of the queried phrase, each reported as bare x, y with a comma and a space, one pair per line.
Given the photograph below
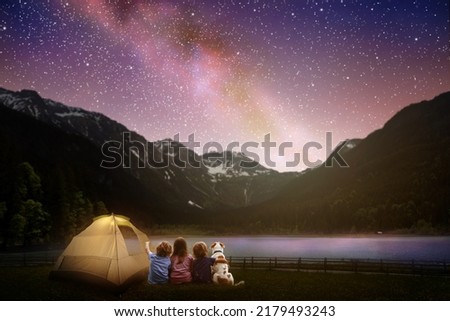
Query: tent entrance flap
131, 240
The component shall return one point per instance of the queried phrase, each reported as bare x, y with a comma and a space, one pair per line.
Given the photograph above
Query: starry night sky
230, 70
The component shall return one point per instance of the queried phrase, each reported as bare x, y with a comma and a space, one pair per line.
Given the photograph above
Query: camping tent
110, 252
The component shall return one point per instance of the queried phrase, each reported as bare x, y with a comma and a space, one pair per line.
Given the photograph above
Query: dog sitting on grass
220, 268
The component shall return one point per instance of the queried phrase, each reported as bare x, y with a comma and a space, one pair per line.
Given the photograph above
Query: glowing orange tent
109, 252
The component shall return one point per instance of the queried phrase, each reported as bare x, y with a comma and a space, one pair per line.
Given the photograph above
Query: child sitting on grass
159, 263
181, 263
201, 271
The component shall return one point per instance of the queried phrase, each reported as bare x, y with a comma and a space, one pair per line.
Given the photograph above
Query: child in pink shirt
181, 263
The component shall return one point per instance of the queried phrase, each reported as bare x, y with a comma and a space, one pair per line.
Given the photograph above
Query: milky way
231, 70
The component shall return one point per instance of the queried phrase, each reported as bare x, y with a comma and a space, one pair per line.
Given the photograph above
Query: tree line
37, 211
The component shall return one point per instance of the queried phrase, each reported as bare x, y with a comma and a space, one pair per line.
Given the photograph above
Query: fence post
276, 262
252, 262
229, 260
355, 266
244, 264
299, 264
325, 264
270, 263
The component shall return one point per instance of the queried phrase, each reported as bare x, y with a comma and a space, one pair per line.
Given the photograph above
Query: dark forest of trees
35, 212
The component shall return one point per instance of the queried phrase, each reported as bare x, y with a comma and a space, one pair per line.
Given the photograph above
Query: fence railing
413, 267
29, 258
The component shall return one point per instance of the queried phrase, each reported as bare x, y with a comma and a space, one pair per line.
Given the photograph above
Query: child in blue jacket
159, 263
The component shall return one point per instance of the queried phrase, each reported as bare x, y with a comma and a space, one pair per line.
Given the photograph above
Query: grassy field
31, 284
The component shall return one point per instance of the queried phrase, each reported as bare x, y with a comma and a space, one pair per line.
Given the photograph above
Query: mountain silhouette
397, 178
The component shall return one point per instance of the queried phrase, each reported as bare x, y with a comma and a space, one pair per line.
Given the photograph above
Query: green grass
31, 284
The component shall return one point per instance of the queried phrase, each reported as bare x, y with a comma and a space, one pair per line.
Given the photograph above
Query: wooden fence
413, 267
29, 258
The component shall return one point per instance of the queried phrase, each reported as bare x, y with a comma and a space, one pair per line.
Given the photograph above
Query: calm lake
376, 247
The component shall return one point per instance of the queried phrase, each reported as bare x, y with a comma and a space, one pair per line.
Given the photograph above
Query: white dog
220, 269
217, 248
